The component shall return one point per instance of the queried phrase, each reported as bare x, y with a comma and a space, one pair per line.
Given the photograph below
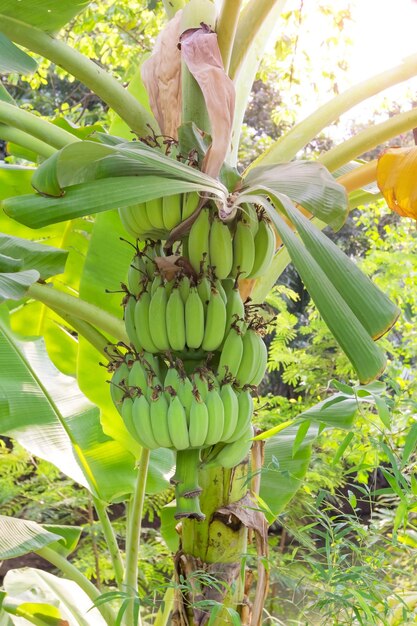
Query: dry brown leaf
161, 74
200, 52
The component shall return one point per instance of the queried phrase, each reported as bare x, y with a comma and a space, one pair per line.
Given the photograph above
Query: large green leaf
48, 261
93, 197
48, 415
283, 471
307, 183
48, 15
371, 306
15, 180
18, 537
13, 59
13, 286
32, 586
38, 613
366, 357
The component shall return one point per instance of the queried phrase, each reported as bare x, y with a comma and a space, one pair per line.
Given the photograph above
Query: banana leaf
48, 15
13, 59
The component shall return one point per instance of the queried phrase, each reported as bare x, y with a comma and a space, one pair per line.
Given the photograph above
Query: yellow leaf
396, 178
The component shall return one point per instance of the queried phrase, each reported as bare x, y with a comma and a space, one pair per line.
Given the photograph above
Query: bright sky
383, 33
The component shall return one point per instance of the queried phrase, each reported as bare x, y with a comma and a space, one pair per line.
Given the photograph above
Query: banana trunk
215, 546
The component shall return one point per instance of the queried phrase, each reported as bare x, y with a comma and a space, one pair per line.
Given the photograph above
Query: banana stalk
217, 543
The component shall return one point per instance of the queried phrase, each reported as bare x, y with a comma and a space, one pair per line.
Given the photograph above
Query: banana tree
184, 353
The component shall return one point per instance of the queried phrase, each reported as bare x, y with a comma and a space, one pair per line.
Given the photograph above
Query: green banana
231, 411
235, 308
177, 424
231, 354
129, 223
204, 290
250, 217
243, 250
135, 274
215, 322
264, 249
219, 286
175, 320
155, 214
171, 211
156, 282
138, 377
262, 362
129, 319
117, 384
159, 418
172, 378
194, 319
221, 248
236, 452
201, 383
198, 427
127, 416
141, 414
185, 393
198, 241
250, 358
184, 287
189, 204
141, 319
245, 402
215, 410
157, 319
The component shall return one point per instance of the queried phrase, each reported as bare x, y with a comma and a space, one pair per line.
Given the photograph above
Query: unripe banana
142, 322
231, 411
149, 253
264, 249
189, 204
175, 321
135, 275
157, 319
201, 383
262, 361
250, 358
141, 414
154, 213
184, 287
221, 248
215, 410
140, 216
235, 308
127, 416
250, 217
243, 250
171, 211
117, 384
234, 453
194, 319
159, 419
198, 427
138, 377
185, 394
172, 378
156, 282
215, 322
129, 223
152, 363
177, 424
204, 290
245, 402
198, 241
231, 354
129, 319
219, 286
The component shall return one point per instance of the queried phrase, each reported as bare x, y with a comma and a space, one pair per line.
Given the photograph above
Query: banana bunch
156, 218
244, 248
178, 411
175, 315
